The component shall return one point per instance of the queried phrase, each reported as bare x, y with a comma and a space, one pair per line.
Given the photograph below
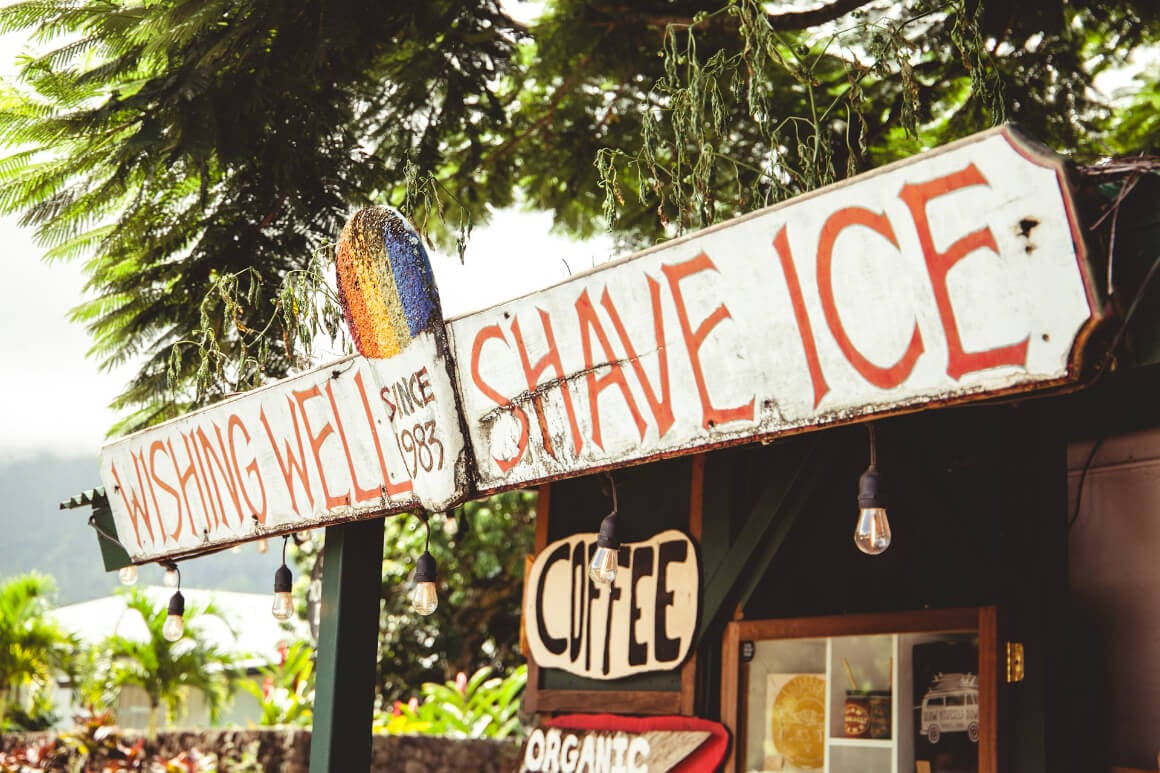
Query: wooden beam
764, 529
696, 509
596, 701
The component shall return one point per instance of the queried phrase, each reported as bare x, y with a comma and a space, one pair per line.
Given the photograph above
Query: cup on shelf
879, 706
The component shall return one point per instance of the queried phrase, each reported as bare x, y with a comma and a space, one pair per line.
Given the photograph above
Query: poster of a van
951, 705
945, 716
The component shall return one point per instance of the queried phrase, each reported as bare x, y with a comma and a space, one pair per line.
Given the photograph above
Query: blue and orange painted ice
385, 282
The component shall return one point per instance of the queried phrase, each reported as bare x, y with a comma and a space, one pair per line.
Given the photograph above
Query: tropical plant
286, 695
482, 706
166, 671
480, 549
34, 650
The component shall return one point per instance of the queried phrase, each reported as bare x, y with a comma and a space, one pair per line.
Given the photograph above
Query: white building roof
255, 636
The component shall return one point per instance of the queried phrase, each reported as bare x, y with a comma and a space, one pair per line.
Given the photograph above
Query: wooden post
347, 648
1032, 734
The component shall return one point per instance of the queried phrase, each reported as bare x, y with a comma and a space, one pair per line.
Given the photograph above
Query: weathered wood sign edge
957, 275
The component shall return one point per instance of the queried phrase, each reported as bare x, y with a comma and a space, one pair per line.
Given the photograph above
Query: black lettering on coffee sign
644, 621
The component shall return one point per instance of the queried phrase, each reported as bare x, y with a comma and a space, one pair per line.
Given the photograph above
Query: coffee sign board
643, 621
954, 275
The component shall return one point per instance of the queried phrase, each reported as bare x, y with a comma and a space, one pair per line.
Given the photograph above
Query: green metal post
348, 635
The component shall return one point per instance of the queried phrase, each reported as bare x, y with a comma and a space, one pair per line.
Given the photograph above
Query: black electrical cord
1082, 476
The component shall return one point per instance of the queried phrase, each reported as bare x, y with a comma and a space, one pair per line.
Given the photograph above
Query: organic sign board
955, 275
591, 743
657, 751
644, 621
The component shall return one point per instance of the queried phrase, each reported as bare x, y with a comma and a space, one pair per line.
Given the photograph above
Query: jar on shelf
857, 714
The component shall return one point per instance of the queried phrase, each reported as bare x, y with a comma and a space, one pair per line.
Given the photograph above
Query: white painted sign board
957, 275
354, 438
952, 276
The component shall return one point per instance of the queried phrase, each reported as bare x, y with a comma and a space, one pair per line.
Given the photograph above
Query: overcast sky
54, 398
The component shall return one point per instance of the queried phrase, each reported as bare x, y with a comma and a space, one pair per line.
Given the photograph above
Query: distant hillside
36, 534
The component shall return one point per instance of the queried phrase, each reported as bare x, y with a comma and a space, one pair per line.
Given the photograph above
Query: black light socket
869, 488
425, 568
607, 538
177, 604
283, 579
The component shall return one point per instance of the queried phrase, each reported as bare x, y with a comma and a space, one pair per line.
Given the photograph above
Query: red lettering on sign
183, 476
316, 441
233, 424
883, 378
134, 501
533, 373
360, 494
220, 460
711, 416
662, 409
291, 462
805, 330
916, 196
423, 380
155, 447
589, 326
485, 334
209, 507
392, 489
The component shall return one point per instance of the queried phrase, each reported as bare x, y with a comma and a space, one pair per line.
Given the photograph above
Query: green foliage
174, 144
482, 706
287, 695
166, 671
238, 358
185, 148
34, 650
1138, 122
480, 549
96, 744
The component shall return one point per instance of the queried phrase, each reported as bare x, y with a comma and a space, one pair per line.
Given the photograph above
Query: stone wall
287, 750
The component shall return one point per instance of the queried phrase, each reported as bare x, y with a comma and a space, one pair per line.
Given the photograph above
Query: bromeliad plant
482, 706
287, 694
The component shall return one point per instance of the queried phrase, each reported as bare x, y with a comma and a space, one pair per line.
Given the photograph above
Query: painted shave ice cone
385, 282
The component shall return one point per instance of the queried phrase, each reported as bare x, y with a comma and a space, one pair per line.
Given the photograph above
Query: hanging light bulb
127, 575
174, 627
283, 607
263, 546
171, 578
602, 567
872, 534
425, 596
